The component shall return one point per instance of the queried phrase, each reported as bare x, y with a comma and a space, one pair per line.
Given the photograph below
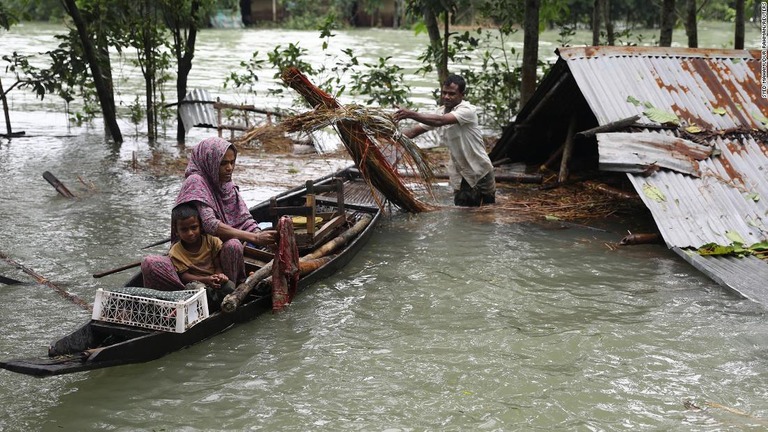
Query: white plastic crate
137, 307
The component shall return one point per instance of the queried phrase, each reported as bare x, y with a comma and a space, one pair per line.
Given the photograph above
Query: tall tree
668, 18
690, 24
183, 18
7, 19
609, 34
431, 9
41, 81
95, 62
146, 36
596, 18
738, 39
530, 50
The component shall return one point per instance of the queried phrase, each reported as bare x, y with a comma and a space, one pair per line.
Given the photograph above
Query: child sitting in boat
196, 255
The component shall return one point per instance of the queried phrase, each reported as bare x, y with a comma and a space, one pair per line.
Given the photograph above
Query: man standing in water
470, 169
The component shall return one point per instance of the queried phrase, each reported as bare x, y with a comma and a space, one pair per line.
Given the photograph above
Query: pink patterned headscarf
202, 184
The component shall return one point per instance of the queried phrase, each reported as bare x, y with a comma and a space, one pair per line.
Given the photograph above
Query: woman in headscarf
208, 184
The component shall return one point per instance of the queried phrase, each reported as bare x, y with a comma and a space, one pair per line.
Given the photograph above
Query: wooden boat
341, 199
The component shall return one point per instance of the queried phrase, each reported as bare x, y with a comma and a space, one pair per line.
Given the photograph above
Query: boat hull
98, 344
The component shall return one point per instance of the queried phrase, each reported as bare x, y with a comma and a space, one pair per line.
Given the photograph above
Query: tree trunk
103, 89
608, 23
433, 29
667, 23
149, 73
184, 48
738, 39
597, 6
690, 24
444, 53
530, 50
5, 110
397, 16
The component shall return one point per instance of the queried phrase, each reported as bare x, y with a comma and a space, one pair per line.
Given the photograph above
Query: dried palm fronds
528, 203
378, 125
366, 134
271, 137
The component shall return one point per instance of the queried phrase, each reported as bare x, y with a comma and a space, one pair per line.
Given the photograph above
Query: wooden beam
610, 127
59, 186
567, 150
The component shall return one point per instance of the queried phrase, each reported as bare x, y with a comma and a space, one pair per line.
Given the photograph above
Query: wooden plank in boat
258, 254
331, 200
328, 228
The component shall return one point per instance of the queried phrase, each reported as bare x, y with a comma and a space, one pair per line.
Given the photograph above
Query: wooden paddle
116, 270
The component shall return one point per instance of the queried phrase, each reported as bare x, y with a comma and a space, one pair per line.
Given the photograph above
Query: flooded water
450, 320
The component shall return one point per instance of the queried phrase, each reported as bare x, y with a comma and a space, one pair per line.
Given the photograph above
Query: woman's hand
264, 238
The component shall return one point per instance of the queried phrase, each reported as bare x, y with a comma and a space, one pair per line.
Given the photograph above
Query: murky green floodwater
446, 321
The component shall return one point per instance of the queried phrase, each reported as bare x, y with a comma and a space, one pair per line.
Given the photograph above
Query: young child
196, 255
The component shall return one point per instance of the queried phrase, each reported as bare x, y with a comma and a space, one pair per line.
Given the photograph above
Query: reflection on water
446, 321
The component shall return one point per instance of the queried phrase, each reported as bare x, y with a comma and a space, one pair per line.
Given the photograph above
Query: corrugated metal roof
200, 113
694, 84
701, 187
731, 195
695, 201
744, 275
639, 152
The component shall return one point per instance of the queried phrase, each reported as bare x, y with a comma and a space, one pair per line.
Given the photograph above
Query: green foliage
35, 10
494, 84
306, 14
40, 81
290, 57
494, 87
736, 248
382, 82
136, 111
7, 17
66, 77
565, 34
488, 65
249, 77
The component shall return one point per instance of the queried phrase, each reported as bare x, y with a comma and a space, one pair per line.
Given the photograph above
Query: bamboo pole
59, 186
341, 240
118, 269
62, 292
314, 259
567, 151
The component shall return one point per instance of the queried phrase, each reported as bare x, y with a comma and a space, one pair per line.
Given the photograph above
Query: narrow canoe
100, 344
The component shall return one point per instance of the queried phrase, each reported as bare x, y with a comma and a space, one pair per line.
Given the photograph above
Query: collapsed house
687, 126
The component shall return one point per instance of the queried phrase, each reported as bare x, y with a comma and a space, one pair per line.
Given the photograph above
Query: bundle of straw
365, 133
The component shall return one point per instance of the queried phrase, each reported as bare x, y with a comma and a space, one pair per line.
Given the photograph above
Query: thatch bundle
528, 203
366, 134
272, 138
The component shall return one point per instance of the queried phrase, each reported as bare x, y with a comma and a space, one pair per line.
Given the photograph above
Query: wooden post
567, 150
5, 110
59, 186
218, 116
610, 127
274, 10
